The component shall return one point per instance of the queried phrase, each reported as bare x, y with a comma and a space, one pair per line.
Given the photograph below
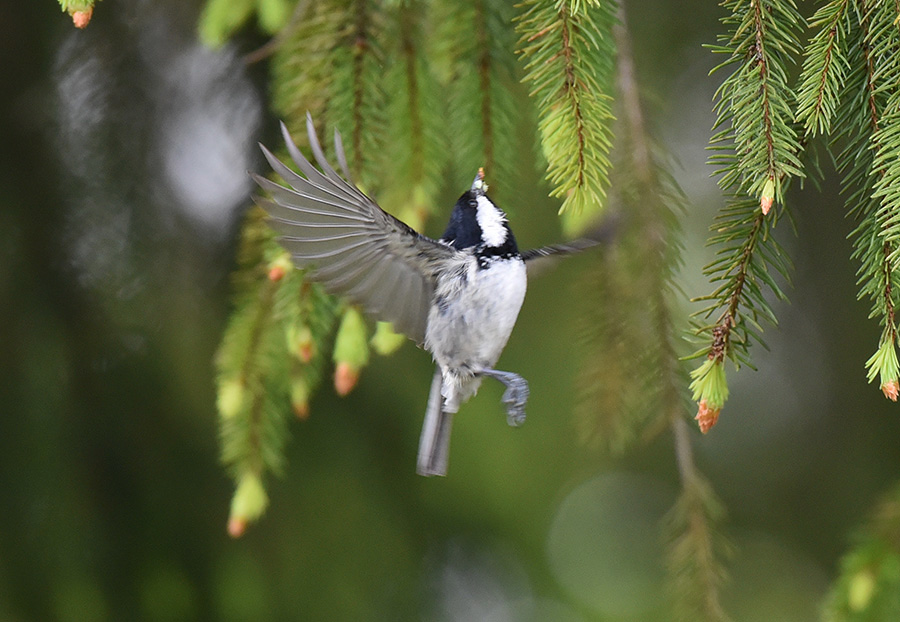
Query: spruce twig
567, 48
865, 161
758, 154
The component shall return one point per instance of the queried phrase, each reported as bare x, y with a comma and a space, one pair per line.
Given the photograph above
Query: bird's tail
434, 444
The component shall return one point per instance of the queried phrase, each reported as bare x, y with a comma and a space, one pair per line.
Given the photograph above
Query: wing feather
569, 248
348, 243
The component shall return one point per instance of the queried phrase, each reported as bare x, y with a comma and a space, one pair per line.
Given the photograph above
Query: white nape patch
491, 221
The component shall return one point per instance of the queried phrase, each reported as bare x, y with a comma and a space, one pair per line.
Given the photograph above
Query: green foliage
825, 68
630, 381
356, 98
220, 19
868, 588
251, 369
472, 47
848, 91
864, 126
568, 52
350, 344
886, 140
757, 151
746, 252
71, 6
415, 155
709, 384
755, 107
302, 65
258, 364
696, 573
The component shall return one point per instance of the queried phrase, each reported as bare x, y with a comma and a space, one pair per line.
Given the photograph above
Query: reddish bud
279, 266
301, 410
345, 378
768, 196
300, 341
706, 416
82, 18
305, 352
236, 527
276, 273
300, 398
891, 389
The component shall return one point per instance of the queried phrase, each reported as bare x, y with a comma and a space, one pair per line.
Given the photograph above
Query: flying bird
458, 296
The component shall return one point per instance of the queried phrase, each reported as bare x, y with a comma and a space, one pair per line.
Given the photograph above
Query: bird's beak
479, 186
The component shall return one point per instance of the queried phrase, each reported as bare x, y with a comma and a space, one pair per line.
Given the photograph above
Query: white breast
475, 313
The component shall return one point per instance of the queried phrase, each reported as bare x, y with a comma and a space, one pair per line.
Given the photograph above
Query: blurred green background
123, 179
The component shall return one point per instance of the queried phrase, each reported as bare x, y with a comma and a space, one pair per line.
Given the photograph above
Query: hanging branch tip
247, 505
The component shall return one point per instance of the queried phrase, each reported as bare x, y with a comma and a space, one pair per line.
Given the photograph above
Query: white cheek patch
491, 221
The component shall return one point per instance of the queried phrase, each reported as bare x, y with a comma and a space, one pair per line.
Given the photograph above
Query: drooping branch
567, 48
757, 152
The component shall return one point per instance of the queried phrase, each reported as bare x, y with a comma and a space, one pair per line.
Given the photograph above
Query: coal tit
458, 297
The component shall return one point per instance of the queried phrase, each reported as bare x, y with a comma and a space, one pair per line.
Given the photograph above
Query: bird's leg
514, 397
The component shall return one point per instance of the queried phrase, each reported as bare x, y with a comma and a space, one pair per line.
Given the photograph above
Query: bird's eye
473, 203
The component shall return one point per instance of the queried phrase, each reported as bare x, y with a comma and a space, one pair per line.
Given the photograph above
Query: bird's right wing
570, 248
352, 246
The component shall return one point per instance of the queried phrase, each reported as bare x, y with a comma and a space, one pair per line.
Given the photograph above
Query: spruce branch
695, 572
759, 144
825, 67
270, 359
303, 65
568, 51
865, 162
480, 105
757, 154
416, 154
251, 372
632, 381
356, 99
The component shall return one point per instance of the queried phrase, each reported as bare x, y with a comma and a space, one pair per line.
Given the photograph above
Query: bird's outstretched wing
539, 260
351, 246
570, 248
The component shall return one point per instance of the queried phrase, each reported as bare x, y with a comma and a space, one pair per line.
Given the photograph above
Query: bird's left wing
352, 246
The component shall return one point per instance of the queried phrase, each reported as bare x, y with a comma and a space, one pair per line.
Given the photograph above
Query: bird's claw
515, 397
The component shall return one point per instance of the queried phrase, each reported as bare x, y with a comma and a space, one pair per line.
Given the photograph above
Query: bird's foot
515, 396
